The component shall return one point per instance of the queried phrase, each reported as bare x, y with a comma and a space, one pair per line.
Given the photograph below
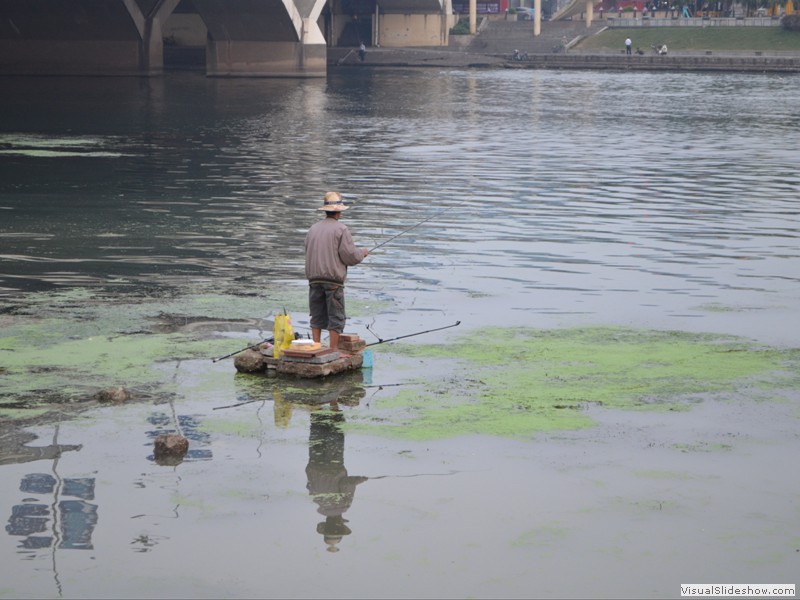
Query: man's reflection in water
329, 485
328, 482
331, 488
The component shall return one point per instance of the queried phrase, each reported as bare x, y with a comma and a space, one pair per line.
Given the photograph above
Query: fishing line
433, 216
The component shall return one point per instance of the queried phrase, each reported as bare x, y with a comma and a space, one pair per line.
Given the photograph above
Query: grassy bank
696, 39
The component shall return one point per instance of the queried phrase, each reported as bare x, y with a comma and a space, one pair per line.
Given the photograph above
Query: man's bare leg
316, 334
334, 335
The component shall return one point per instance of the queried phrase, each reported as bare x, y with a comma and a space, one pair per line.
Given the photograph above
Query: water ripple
631, 183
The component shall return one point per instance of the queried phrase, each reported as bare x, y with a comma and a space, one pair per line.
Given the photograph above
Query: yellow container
283, 334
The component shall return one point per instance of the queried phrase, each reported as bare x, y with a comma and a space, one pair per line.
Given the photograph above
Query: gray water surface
621, 196
655, 200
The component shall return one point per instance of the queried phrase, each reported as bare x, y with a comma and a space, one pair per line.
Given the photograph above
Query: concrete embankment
758, 64
433, 57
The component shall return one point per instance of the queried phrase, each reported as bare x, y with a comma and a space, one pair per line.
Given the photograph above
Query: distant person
362, 51
628, 45
601, 13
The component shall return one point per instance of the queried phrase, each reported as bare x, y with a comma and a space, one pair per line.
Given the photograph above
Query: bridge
238, 38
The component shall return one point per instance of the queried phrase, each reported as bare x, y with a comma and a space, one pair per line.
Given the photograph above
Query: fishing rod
253, 347
382, 341
433, 216
416, 475
271, 340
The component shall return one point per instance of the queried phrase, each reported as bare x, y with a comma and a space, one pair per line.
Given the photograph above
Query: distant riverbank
753, 61
695, 48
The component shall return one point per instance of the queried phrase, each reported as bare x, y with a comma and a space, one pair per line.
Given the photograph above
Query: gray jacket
329, 251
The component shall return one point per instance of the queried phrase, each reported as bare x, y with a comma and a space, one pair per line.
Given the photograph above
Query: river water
654, 200
632, 197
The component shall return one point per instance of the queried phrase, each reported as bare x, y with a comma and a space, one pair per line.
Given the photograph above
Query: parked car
524, 13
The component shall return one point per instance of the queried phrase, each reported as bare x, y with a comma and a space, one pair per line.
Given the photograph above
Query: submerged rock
249, 361
170, 446
115, 394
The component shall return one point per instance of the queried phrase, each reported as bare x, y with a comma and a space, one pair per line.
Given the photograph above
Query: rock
351, 347
249, 361
116, 395
170, 445
312, 370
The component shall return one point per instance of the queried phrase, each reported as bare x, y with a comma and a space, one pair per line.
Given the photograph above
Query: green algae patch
73, 366
512, 382
18, 414
543, 536
703, 447
62, 347
661, 474
188, 502
243, 427
716, 307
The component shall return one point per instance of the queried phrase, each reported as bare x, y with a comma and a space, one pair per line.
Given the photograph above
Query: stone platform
321, 362
345, 362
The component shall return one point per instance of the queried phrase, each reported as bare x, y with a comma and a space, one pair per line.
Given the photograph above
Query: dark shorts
326, 305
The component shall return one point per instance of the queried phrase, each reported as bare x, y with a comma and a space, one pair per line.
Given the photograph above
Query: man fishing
329, 251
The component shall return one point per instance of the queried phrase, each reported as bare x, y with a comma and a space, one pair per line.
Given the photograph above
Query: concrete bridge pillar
82, 37
268, 38
409, 23
473, 16
589, 13
149, 20
537, 17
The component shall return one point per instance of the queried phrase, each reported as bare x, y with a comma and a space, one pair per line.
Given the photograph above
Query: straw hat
333, 203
